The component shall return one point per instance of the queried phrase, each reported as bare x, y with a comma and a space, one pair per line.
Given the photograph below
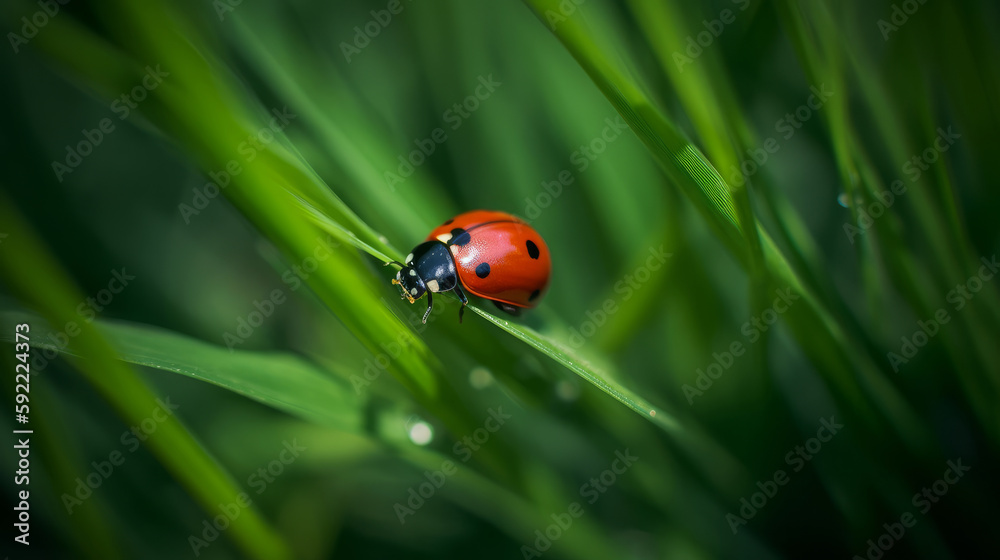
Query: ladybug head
411, 284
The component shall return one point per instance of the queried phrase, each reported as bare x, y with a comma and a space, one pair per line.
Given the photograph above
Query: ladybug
493, 255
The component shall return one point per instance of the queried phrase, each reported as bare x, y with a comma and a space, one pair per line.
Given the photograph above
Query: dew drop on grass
421, 433
843, 199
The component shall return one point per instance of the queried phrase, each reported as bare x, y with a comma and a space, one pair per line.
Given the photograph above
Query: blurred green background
773, 238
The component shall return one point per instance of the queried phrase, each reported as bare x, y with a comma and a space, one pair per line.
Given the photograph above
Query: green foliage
713, 308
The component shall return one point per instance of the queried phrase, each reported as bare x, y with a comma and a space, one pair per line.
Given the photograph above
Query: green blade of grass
270, 191
704, 89
837, 349
579, 366
360, 157
33, 275
680, 159
282, 381
717, 463
809, 23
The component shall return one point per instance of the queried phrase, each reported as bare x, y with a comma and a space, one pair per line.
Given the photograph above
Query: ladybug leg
402, 291
430, 305
465, 301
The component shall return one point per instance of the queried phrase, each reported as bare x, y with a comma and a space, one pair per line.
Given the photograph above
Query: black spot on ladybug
460, 237
483, 270
534, 295
448, 222
532, 249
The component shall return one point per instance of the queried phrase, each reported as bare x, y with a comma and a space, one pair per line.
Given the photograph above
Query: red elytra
494, 255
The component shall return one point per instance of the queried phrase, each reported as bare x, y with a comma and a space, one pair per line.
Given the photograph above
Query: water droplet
421, 433
843, 199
